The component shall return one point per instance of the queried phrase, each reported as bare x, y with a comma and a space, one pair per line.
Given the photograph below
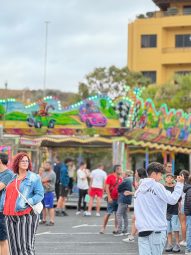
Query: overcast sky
82, 35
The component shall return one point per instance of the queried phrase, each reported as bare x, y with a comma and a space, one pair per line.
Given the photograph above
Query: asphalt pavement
74, 235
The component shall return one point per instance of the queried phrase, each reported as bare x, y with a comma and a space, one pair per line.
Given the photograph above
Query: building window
152, 75
187, 10
183, 41
148, 41
183, 72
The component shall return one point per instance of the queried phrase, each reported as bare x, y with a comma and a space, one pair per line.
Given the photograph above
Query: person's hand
110, 200
180, 178
127, 193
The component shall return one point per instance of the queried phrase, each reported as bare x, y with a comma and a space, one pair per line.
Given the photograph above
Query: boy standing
151, 199
123, 202
173, 223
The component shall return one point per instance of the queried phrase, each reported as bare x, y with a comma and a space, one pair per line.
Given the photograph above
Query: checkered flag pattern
135, 115
122, 109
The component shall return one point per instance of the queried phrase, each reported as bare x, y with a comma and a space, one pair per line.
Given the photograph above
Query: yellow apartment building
159, 43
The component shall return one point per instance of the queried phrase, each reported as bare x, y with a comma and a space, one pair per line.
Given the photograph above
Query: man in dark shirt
57, 168
172, 218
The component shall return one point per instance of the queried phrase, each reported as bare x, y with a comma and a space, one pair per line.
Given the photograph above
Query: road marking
87, 253
61, 242
80, 233
43, 233
79, 226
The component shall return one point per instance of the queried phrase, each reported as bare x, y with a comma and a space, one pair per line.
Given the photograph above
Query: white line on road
43, 233
39, 253
79, 242
80, 233
79, 226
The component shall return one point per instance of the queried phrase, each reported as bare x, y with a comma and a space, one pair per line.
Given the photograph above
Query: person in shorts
111, 185
173, 223
97, 184
6, 176
64, 188
48, 180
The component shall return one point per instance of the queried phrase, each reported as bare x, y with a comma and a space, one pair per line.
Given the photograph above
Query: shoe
183, 243
64, 213
118, 233
102, 231
78, 213
176, 248
98, 214
42, 222
129, 239
50, 224
169, 248
86, 213
58, 213
125, 233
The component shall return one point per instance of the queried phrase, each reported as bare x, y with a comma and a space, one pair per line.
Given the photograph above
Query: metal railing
170, 12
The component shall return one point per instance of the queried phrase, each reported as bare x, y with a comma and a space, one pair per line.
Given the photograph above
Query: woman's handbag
37, 209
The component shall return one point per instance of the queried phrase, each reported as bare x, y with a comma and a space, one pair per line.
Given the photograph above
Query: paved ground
74, 235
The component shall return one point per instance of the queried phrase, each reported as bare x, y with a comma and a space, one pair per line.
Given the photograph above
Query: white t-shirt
98, 178
82, 180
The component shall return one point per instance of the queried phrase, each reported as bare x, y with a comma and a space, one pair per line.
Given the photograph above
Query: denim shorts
48, 200
112, 207
173, 224
3, 229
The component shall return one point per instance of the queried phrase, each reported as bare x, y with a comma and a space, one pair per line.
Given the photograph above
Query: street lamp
45, 57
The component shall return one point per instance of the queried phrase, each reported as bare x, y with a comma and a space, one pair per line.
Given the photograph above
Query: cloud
82, 35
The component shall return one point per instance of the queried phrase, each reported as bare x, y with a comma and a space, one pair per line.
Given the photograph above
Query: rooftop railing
173, 11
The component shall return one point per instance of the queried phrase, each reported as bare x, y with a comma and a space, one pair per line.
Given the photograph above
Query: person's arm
108, 192
167, 196
2, 186
38, 192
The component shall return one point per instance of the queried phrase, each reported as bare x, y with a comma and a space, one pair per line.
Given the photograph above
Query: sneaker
169, 248
118, 233
86, 213
50, 224
176, 248
129, 239
78, 213
183, 243
64, 213
125, 233
42, 222
98, 214
102, 231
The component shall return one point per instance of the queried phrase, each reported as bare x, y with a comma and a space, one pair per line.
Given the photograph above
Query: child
187, 211
123, 202
172, 218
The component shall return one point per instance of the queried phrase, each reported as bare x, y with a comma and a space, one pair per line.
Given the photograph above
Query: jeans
188, 234
82, 194
122, 216
153, 244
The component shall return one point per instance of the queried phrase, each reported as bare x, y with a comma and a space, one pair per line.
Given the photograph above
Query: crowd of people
162, 203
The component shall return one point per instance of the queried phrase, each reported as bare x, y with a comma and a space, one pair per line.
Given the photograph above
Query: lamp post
45, 57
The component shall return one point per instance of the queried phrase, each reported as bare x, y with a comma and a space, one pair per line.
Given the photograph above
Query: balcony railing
170, 12
172, 50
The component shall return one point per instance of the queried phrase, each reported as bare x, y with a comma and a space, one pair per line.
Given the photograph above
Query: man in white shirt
150, 206
82, 184
97, 185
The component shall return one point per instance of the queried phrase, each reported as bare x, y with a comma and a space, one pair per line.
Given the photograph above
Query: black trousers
82, 194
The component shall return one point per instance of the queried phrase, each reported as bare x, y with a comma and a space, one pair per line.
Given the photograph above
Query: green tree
111, 81
176, 94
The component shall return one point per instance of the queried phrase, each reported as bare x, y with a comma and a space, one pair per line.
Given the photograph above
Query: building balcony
173, 11
174, 50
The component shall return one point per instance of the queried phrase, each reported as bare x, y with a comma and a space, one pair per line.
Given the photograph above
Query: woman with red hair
23, 192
